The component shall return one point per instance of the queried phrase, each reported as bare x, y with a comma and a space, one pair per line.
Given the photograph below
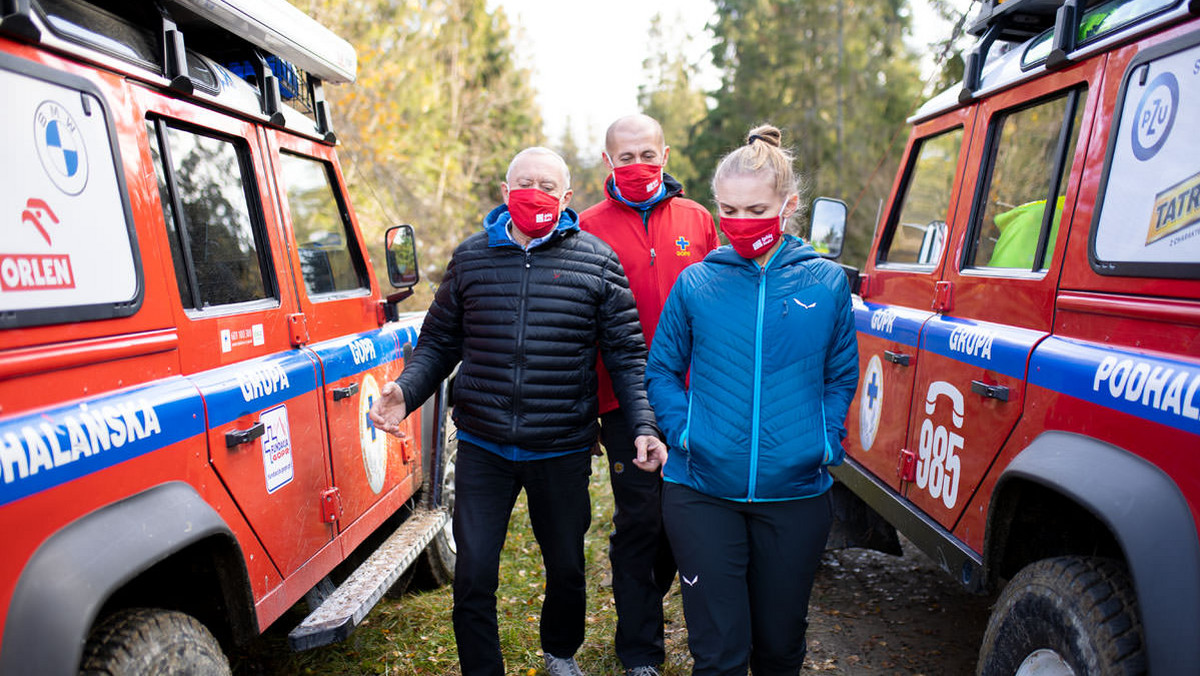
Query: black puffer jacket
526, 325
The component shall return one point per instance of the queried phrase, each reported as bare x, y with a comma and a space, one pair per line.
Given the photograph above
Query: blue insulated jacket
773, 359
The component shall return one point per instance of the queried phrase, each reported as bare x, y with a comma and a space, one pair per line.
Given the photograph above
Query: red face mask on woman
534, 212
638, 182
752, 237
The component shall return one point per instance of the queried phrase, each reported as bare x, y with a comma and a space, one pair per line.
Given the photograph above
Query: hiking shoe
561, 666
642, 671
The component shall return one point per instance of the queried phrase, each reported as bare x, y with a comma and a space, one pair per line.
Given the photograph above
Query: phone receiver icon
940, 388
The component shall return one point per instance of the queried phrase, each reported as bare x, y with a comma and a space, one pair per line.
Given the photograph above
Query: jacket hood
674, 189
793, 251
496, 224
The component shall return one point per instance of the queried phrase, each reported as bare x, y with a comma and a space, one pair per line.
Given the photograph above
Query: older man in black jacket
523, 306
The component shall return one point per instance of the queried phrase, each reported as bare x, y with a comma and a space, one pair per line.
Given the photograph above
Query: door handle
346, 392
990, 391
896, 357
239, 437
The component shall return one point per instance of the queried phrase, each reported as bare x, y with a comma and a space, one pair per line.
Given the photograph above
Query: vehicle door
900, 281
342, 319
996, 300
266, 433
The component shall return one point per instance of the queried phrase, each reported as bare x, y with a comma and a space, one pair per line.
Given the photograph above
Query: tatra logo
1176, 208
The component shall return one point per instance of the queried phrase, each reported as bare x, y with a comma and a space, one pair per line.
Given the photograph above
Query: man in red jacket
656, 233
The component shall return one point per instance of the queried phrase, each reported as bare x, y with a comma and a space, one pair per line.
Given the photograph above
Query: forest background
442, 102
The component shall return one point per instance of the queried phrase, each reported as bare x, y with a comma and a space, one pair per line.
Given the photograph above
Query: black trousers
642, 565
746, 572
486, 488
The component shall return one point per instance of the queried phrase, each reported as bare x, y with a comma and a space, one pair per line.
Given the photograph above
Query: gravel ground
874, 614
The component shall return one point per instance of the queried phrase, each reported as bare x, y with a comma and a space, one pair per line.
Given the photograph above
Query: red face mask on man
637, 182
534, 212
752, 237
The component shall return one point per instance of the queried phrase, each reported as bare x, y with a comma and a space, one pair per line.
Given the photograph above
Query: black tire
152, 642
1071, 612
436, 566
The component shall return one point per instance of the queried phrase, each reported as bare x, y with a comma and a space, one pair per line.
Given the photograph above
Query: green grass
413, 634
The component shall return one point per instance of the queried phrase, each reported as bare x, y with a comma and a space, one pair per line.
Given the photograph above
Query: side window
1030, 158
919, 232
1147, 219
322, 230
217, 241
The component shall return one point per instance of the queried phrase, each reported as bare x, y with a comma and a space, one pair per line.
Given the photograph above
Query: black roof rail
1016, 20
16, 20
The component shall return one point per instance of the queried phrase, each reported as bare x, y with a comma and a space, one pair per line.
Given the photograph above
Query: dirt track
874, 614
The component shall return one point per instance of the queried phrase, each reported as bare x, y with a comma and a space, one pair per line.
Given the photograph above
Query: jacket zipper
519, 366
758, 328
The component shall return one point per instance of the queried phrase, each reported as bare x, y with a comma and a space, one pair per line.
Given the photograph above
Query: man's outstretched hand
651, 453
389, 411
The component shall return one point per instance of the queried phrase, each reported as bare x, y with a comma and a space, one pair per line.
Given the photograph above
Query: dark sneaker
561, 666
642, 671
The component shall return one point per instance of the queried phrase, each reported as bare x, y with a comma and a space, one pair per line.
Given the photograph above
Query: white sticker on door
276, 448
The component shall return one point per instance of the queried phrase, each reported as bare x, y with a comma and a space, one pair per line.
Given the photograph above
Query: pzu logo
1155, 116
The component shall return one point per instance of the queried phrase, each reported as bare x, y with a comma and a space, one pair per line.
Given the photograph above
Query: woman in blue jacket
750, 375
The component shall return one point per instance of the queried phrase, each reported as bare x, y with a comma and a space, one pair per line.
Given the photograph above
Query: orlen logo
1155, 116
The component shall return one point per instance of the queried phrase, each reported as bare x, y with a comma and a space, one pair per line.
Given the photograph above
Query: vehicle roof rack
1018, 21
287, 55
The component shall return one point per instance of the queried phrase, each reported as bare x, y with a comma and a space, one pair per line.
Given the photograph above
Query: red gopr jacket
675, 233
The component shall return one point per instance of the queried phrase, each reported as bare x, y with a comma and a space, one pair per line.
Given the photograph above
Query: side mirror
828, 229
402, 268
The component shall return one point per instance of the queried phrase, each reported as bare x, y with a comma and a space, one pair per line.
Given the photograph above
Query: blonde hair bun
767, 134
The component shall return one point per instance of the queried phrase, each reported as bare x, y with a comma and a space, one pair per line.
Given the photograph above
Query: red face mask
533, 211
752, 237
638, 182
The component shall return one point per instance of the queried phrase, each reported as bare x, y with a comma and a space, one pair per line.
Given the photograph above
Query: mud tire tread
152, 641
1083, 608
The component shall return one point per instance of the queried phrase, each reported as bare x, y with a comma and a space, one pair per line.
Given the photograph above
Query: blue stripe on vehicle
891, 322
994, 347
1161, 390
248, 387
352, 355
53, 446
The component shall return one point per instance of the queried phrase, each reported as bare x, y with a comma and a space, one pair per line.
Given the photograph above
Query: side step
349, 604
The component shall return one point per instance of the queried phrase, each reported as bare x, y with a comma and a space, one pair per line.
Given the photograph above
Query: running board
345, 608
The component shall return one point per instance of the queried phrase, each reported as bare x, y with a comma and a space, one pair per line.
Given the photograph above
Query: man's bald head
637, 124
635, 139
